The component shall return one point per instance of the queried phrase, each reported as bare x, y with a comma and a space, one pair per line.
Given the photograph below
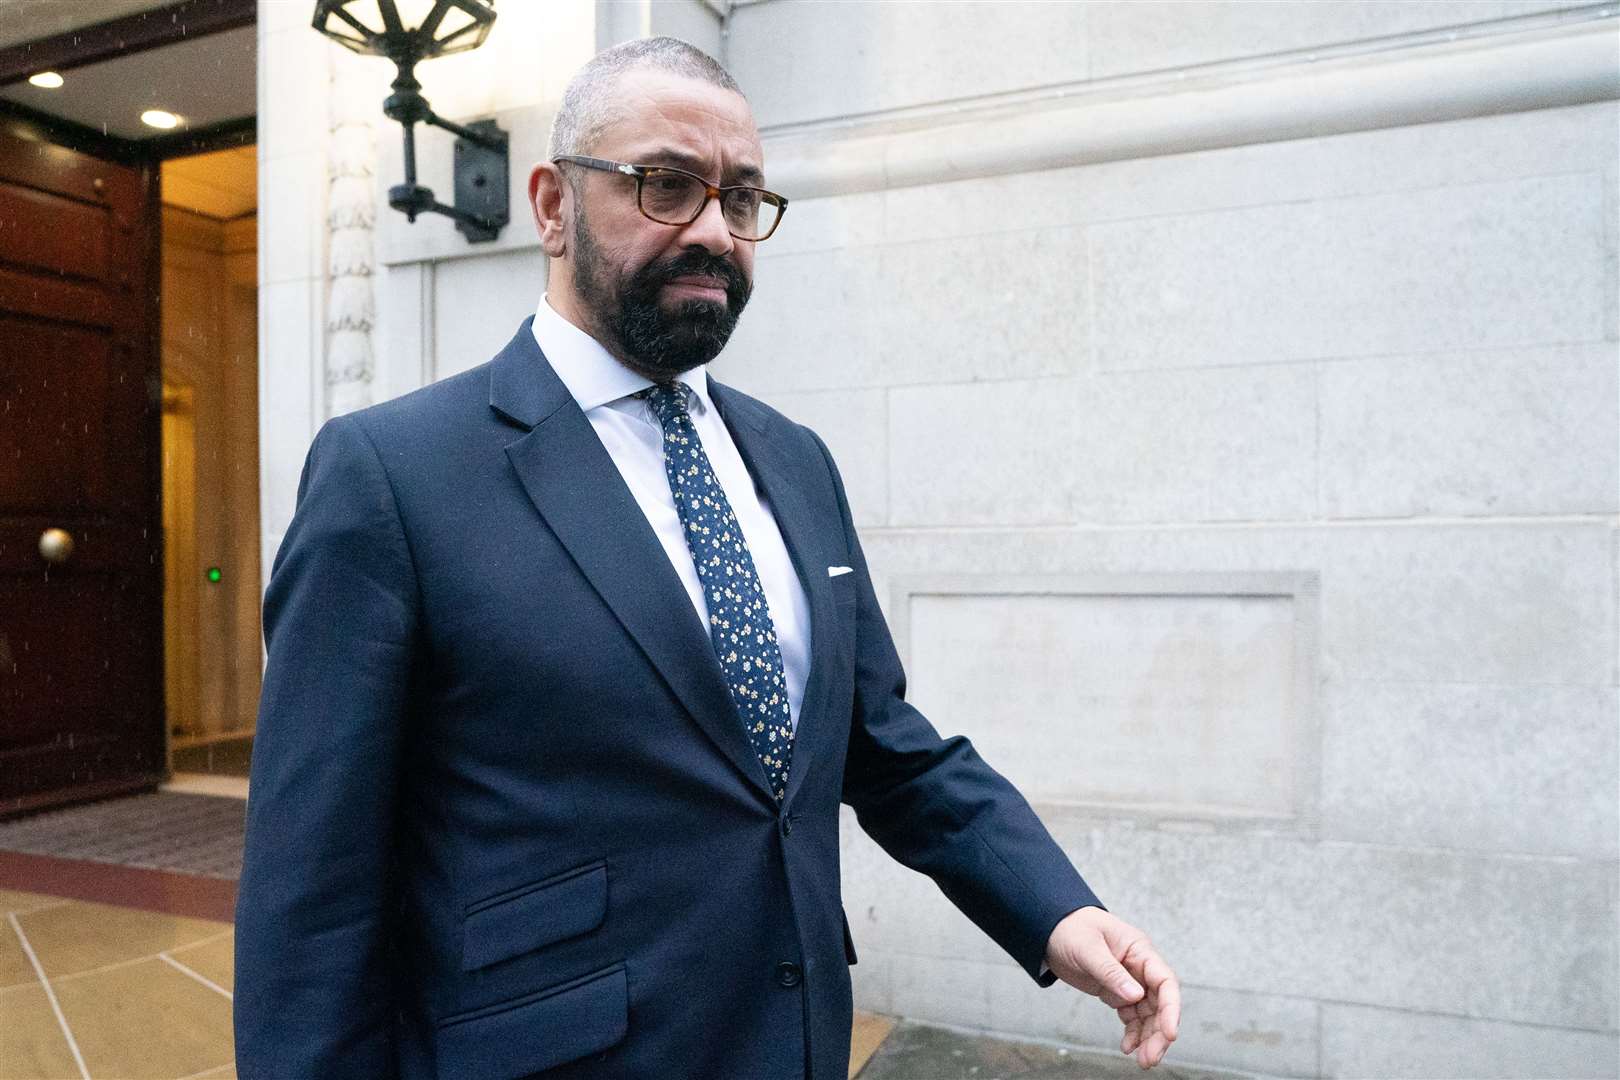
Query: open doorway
210, 459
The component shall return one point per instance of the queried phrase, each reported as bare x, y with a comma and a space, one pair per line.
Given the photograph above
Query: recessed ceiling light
159, 119
50, 80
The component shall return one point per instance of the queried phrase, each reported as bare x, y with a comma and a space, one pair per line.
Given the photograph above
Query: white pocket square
834, 571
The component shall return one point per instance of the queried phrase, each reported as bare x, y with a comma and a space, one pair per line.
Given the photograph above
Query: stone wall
1244, 484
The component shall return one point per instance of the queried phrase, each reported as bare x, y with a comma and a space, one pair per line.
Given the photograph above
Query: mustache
703, 264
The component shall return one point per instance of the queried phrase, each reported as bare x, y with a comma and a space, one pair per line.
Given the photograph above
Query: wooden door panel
50, 234
81, 666
60, 300
73, 414
78, 688
32, 160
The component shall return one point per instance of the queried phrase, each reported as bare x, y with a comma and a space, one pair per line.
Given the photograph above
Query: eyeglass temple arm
600, 163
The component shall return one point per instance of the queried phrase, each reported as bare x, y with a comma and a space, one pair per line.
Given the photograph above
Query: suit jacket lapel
574, 484
782, 480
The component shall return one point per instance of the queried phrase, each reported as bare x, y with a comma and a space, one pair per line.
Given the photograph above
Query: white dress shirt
634, 439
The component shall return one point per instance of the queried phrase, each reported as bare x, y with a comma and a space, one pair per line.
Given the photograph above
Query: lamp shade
406, 29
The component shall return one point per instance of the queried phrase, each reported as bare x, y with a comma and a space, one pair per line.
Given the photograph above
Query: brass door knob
55, 545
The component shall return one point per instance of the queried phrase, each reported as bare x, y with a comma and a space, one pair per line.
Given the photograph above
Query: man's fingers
1157, 1047
1139, 1021
1168, 992
1145, 1049
1133, 1037
1098, 960
1165, 993
1151, 1047
1135, 1010
1147, 1035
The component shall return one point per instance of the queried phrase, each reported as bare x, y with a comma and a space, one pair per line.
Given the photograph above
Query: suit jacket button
787, 825
788, 973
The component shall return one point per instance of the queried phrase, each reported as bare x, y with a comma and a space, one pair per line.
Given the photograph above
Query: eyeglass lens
674, 198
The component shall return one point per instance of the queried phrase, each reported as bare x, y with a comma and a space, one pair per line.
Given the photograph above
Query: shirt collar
591, 374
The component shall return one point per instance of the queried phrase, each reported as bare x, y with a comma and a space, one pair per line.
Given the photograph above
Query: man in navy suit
573, 658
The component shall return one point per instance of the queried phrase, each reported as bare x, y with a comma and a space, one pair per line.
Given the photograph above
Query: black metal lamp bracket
482, 178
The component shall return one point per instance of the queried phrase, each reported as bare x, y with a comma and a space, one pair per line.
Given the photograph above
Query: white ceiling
30, 20
203, 80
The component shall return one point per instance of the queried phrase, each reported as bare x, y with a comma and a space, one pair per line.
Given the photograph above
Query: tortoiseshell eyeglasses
676, 197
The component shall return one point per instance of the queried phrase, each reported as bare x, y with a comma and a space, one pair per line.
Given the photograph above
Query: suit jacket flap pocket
539, 1031
560, 907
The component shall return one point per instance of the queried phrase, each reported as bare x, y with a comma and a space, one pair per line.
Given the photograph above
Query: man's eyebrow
747, 174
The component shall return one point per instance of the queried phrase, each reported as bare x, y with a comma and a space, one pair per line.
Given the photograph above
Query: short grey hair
588, 104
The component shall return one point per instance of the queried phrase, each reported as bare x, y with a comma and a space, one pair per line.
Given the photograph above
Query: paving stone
919, 1052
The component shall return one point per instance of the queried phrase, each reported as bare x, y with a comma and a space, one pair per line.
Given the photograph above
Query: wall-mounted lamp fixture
430, 28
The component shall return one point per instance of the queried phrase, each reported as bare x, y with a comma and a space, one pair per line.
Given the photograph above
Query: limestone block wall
292, 132
1247, 493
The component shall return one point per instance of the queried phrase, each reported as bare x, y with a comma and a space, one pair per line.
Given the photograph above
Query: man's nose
709, 231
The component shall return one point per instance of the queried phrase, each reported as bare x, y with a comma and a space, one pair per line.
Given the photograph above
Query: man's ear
548, 194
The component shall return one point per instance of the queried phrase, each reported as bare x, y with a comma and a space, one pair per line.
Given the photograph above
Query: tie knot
668, 400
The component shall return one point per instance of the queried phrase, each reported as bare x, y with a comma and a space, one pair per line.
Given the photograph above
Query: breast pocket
843, 587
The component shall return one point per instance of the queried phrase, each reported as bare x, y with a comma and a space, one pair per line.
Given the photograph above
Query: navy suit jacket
504, 819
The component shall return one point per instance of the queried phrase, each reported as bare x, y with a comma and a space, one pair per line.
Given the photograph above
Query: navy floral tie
739, 618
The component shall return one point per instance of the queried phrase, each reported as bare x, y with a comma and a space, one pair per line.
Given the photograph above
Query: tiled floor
867, 1036
93, 990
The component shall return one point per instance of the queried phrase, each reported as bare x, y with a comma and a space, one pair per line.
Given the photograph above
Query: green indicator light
213, 573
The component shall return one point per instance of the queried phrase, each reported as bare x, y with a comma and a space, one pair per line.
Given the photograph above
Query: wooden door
81, 661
